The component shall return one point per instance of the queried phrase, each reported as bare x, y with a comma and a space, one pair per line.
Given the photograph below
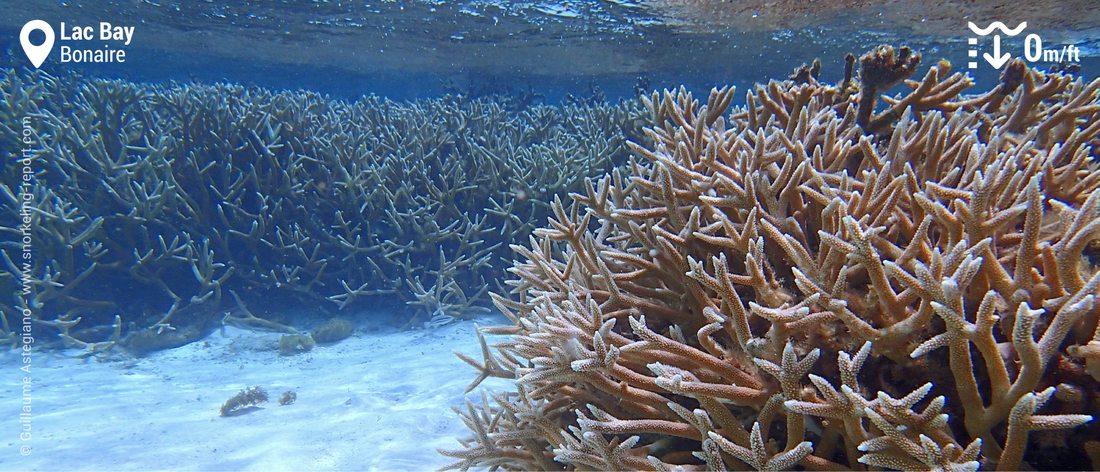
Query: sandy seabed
380, 400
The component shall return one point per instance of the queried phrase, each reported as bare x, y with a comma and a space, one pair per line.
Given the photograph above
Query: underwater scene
668, 235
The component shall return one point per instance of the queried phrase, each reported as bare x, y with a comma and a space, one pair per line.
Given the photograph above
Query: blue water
424, 48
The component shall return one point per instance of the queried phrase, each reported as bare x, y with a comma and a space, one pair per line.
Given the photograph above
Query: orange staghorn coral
769, 287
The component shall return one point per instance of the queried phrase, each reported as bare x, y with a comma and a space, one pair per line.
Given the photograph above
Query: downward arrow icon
997, 59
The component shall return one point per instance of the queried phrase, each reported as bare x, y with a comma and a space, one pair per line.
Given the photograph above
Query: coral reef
182, 207
248, 397
774, 286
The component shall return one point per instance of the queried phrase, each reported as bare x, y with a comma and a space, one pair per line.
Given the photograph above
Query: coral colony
805, 283
161, 212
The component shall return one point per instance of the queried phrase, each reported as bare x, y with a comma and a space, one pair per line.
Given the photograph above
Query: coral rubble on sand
180, 206
248, 397
803, 282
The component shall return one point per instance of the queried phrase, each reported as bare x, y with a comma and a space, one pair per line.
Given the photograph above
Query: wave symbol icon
995, 26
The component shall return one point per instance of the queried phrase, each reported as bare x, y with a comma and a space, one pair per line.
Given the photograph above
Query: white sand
377, 401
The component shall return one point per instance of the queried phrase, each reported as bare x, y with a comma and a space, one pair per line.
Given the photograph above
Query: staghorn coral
769, 287
160, 212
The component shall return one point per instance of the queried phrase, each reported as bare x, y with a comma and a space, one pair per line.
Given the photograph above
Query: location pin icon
37, 54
